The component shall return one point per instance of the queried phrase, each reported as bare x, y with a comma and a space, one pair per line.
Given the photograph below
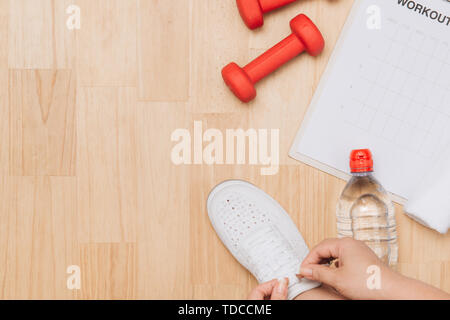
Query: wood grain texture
163, 42
4, 123
110, 269
38, 37
106, 43
86, 176
43, 126
106, 164
4, 107
163, 205
217, 37
38, 236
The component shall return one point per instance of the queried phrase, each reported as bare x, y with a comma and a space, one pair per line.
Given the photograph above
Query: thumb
319, 273
280, 290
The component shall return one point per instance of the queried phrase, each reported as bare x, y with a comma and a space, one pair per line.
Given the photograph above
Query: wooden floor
86, 176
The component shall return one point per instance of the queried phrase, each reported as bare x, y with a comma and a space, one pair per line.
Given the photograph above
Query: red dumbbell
252, 10
305, 36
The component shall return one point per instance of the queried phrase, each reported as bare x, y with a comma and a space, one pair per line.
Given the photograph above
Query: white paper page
386, 89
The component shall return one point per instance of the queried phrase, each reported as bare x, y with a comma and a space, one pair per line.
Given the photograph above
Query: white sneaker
259, 233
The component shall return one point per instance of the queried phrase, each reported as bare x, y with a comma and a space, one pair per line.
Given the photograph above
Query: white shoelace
270, 255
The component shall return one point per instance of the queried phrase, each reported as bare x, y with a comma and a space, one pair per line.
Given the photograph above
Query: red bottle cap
361, 161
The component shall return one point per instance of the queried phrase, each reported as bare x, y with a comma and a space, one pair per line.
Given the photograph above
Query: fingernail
306, 271
281, 285
299, 276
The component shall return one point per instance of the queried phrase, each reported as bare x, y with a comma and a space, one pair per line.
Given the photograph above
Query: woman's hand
272, 290
358, 274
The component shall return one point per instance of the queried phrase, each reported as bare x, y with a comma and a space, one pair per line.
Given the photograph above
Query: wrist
391, 285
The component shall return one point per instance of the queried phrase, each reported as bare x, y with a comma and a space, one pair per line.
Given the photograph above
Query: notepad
387, 88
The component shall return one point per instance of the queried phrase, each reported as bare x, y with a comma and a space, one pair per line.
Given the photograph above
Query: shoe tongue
270, 255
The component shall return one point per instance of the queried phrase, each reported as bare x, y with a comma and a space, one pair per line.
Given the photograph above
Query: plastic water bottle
365, 210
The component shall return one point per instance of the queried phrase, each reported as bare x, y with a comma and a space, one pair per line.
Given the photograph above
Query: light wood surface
86, 118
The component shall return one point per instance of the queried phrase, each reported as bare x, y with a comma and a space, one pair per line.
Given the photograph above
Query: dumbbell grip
273, 58
269, 5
